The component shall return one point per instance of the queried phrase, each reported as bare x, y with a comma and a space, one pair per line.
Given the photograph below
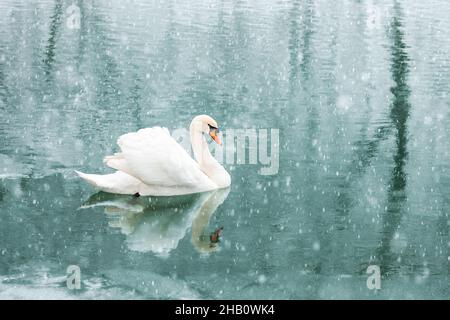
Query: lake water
357, 90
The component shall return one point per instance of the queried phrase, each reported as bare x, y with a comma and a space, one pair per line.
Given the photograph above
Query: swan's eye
213, 128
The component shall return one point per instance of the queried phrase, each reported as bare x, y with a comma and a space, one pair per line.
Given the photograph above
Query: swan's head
206, 124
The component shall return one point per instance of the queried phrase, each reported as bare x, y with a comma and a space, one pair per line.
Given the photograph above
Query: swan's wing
154, 157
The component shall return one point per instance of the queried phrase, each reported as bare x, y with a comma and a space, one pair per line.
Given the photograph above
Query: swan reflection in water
157, 224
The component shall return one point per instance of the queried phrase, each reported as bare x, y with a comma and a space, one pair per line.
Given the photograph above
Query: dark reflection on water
399, 114
55, 26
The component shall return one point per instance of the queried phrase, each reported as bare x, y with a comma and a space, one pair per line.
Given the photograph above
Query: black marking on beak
213, 128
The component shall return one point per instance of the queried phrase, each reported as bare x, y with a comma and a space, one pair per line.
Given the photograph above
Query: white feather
151, 162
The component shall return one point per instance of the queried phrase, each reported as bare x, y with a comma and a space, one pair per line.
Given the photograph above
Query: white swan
152, 163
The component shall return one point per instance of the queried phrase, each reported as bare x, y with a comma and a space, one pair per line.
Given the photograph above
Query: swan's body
151, 162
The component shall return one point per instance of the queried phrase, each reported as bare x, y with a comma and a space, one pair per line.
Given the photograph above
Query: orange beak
214, 136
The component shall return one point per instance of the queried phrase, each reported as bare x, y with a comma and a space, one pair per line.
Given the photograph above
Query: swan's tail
92, 179
118, 182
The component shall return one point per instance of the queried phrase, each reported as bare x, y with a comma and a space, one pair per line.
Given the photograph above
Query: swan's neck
201, 150
207, 163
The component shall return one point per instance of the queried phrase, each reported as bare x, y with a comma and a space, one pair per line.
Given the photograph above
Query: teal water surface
359, 91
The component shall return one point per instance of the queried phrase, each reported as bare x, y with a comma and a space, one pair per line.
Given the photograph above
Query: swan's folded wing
154, 157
